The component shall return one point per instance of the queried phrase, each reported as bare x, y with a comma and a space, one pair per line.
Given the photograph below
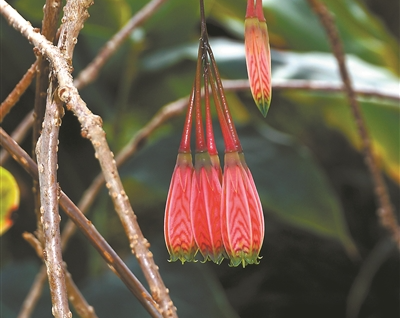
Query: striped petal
242, 226
205, 205
255, 206
177, 226
258, 61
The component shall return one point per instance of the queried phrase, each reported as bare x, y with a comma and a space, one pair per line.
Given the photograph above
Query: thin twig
91, 72
51, 14
318, 86
87, 228
50, 21
385, 212
75, 15
46, 152
83, 309
34, 294
18, 91
18, 135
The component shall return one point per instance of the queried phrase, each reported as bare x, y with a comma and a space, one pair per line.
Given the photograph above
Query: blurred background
324, 252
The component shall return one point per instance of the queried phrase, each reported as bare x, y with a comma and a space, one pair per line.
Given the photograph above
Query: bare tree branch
91, 72
75, 14
91, 129
51, 13
385, 211
83, 309
18, 135
46, 152
312, 85
87, 228
18, 91
34, 294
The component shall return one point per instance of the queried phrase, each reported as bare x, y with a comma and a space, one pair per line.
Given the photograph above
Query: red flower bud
258, 56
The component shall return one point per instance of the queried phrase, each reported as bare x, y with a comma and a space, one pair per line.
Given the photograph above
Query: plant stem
46, 151
187, 128
18, 135
51, 14
229, 142
227, 125
317, 86
200, 140
221, 96
385, 212
211, 146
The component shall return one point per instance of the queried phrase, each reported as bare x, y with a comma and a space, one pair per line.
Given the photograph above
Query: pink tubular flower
205, 205
258, 56
242, 220
177, 226
242, 217
205, 201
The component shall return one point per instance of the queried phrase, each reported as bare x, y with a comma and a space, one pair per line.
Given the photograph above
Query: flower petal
177, 226
205, 209
242, 229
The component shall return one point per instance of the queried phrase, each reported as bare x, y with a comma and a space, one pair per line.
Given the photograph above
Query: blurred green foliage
316, 193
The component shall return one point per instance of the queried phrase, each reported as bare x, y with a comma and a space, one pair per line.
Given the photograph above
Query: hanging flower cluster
218, 214
258, 56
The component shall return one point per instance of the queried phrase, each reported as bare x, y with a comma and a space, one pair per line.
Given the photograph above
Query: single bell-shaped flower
205, 206
178, 232
177, 225
242, 217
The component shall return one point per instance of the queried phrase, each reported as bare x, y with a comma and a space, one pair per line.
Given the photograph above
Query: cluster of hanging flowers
207, 211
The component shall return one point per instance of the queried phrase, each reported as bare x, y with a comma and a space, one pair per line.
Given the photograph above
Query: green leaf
9, 199
289, 181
